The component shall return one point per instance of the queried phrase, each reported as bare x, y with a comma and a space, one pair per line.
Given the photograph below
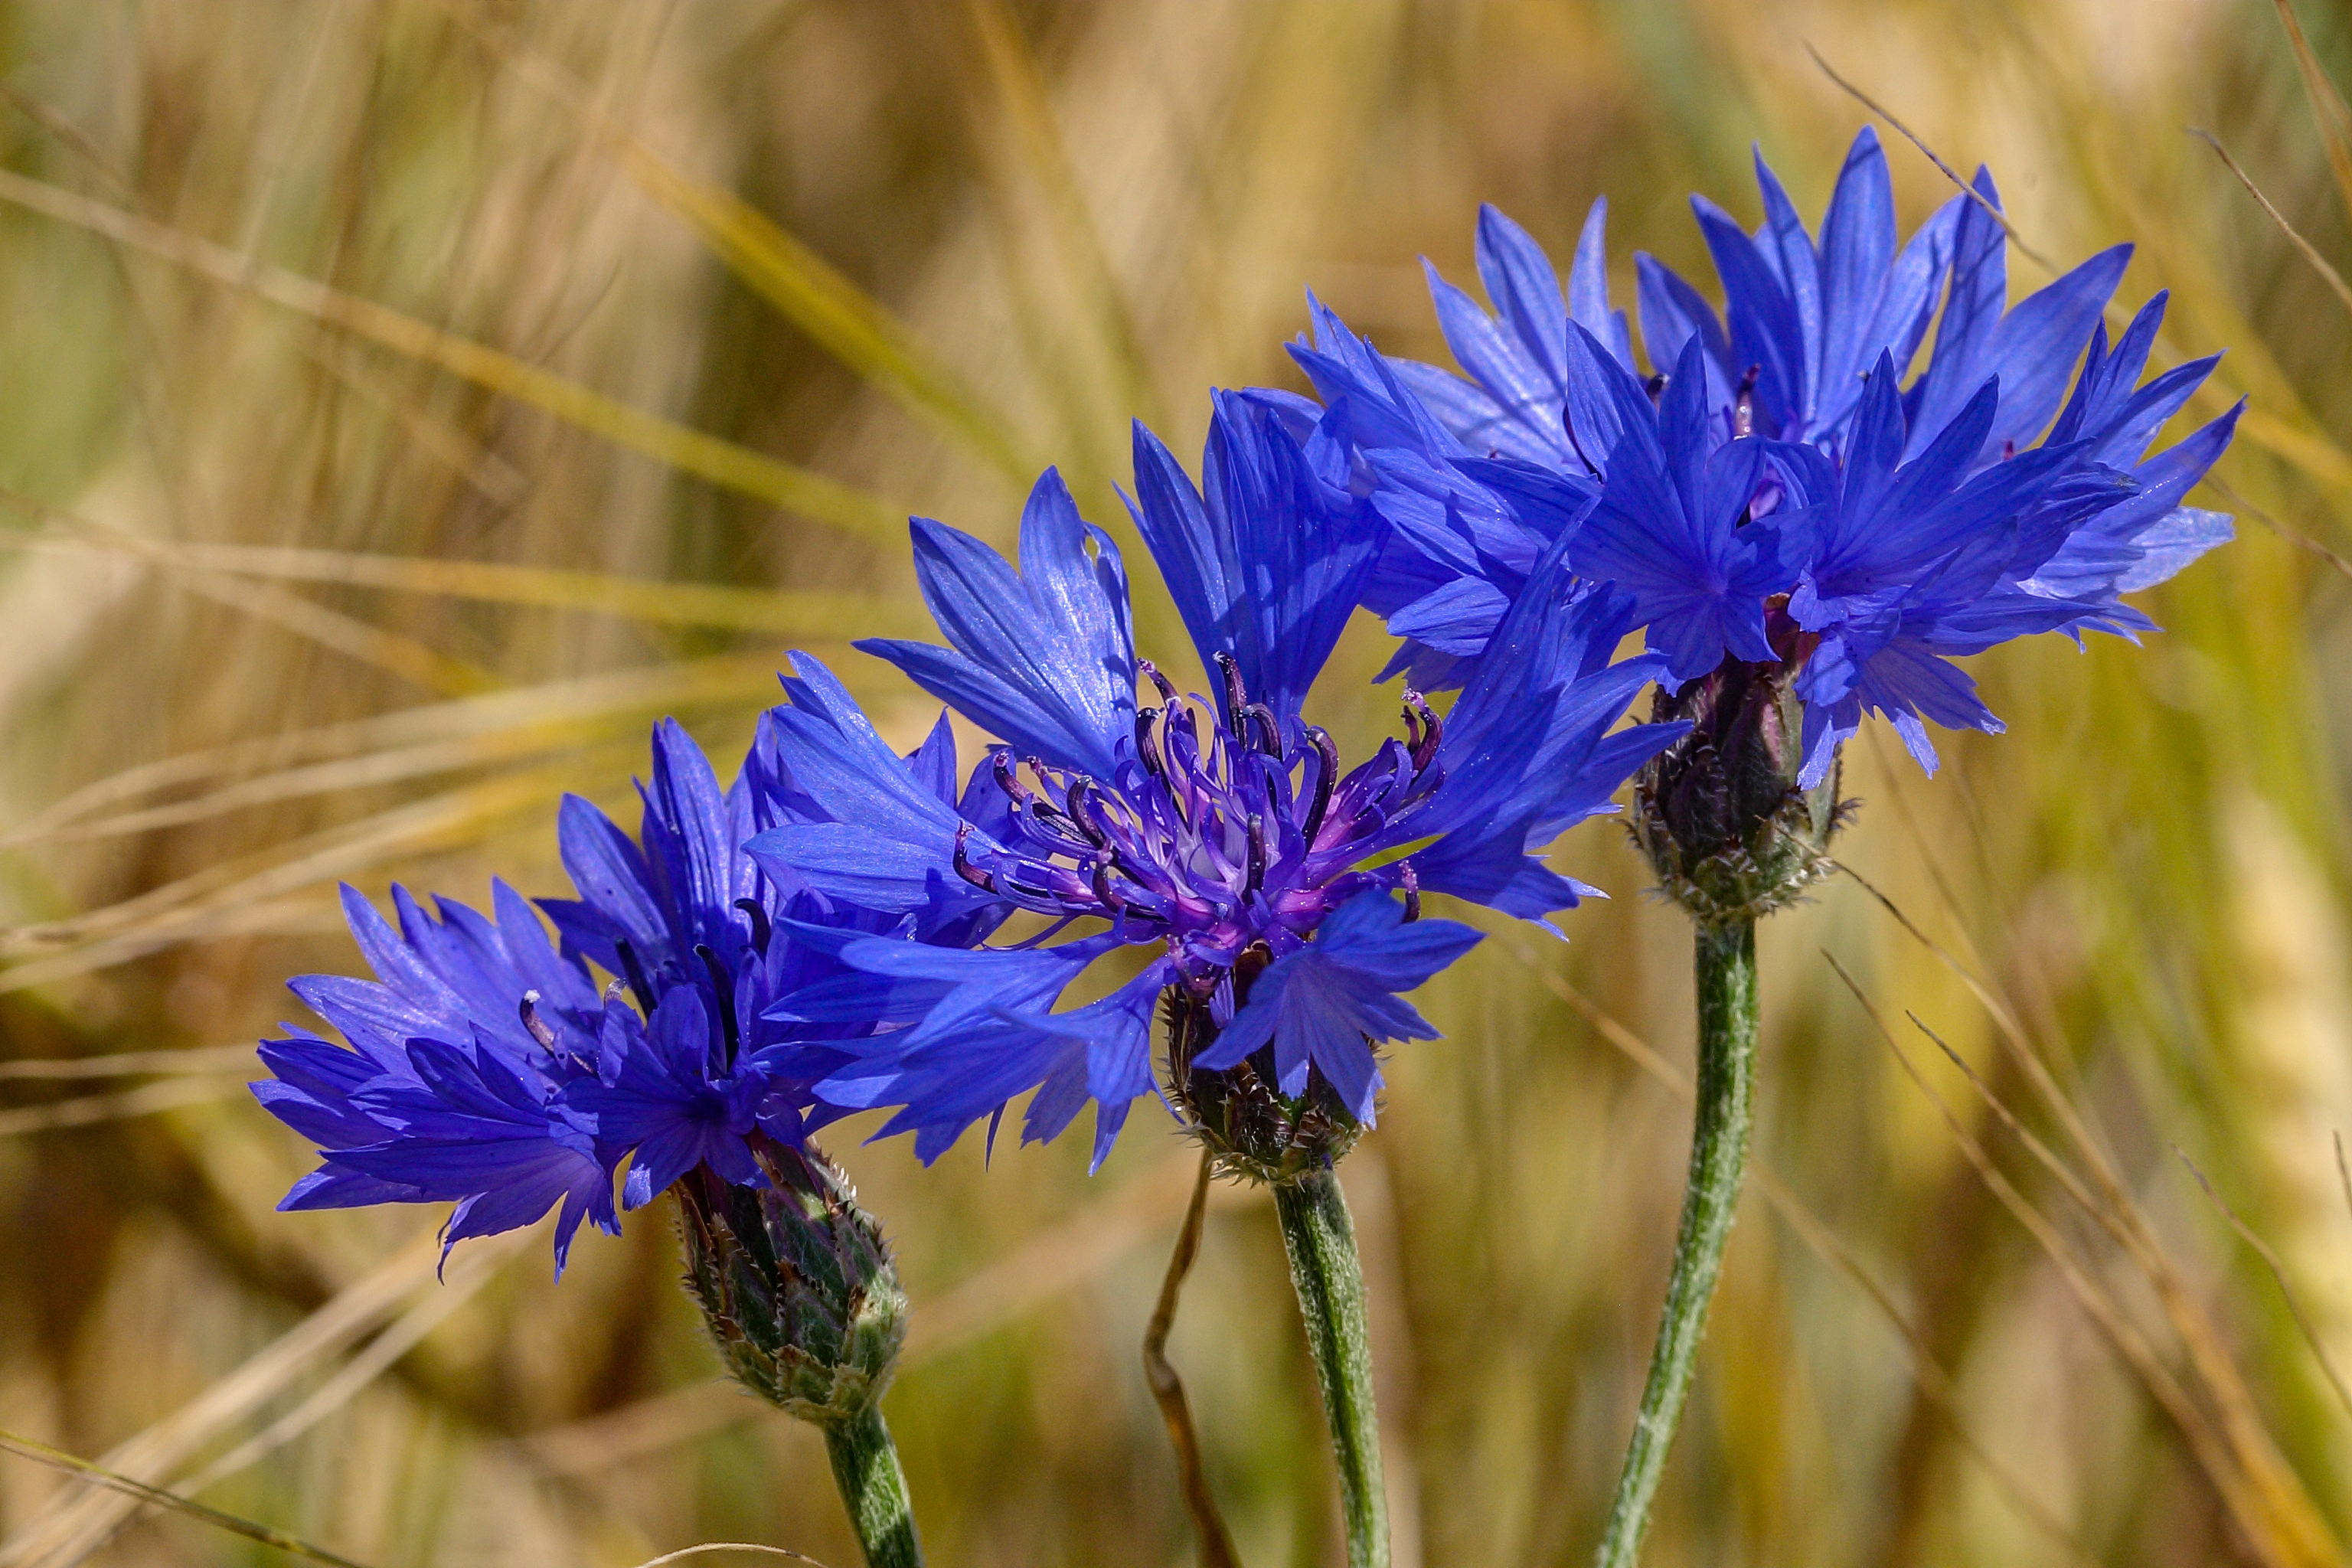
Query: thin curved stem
1330, 1278
1725, 973
1200, 1502
874, 1490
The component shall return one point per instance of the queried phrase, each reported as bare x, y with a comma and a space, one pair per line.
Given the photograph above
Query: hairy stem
1330, 1278
1726, 966
874, 1488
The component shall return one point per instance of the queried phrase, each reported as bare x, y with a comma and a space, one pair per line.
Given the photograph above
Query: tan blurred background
642, 322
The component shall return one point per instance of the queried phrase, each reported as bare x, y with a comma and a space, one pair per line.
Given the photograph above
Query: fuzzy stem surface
1320, 1238
874, 1488
1725, 973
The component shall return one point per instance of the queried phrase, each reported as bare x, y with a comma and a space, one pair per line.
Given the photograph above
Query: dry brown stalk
1216, 1542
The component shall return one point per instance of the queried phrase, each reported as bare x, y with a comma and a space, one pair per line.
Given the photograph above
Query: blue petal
1041, 658
1857, 249
1588, 285
1325, 999
1525, 295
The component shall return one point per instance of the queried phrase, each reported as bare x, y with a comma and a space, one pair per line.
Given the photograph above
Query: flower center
1219, 827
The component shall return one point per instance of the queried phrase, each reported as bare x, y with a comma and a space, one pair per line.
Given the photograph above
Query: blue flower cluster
846, 927
1774, 493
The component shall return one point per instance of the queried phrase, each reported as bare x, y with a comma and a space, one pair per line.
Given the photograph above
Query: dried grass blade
347, 634
651, 689
823, 615
2310, 252
1949, 173
2208, 1352
2277, 1265
1047, 1264
809, 291
2295, 537
372, 770
685, 1551
1013, 67
2305, 447
500, 482
132, 1064
785, 485
353, 1310
2344, 1170
1215, 1542
91, 1110
1920, 844
460, 1281
98, 1475
284, 868
2327, 106
412, 660
2308, 449
211, 901
2281, 1541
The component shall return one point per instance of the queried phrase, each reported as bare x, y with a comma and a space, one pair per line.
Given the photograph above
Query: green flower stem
874, 1488
1330, 1278
1727, 1101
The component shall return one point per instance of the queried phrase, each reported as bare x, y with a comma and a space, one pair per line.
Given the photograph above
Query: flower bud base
1251, 1128
796, 1285
1719, 813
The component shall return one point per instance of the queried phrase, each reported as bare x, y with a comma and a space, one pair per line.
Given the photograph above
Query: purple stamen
1103, 890
1256, 853
1425, 729
1237, 695
965, 868
1262, 718
1077, 802
1327, 775
722, 980
1145, 751
1568, 422
759, 927
1412, 891
533, 1022
636, 971
1007, 780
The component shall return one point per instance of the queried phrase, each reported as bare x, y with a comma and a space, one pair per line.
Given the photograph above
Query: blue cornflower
1220, 835
484, 1068
1761, 466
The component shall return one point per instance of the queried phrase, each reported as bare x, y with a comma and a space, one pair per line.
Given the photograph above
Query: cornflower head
1276, 892
486, 1068
1806, 538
